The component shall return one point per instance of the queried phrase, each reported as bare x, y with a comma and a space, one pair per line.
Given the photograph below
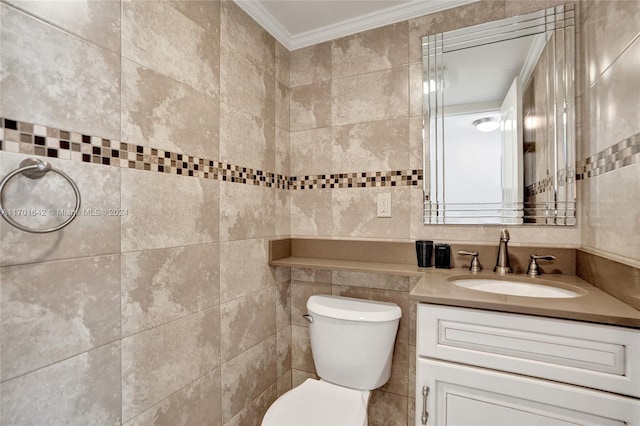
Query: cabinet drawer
593, 355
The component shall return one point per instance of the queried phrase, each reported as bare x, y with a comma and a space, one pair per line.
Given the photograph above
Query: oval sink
514, 288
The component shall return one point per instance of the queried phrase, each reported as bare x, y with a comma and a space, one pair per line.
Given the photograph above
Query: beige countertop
594, 305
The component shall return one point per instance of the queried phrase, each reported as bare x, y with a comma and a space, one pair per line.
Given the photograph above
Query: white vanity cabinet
488, 368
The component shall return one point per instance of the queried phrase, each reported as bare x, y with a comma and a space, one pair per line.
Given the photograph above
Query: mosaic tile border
358, 180
33, 139
623, 154
546, 184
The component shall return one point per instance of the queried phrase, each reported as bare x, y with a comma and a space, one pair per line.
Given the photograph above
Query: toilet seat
319, 403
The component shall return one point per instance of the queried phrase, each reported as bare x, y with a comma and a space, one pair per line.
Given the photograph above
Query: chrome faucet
503, 266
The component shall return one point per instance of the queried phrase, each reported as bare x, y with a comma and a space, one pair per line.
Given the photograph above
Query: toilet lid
318, 403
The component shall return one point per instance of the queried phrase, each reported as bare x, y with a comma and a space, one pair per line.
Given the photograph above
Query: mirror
499, 126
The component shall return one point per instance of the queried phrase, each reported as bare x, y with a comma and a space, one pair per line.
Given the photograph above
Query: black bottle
443, 256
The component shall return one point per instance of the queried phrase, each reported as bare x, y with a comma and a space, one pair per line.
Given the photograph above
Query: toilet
352, 343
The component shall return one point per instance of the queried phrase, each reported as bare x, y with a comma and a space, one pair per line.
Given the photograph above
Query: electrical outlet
384, 205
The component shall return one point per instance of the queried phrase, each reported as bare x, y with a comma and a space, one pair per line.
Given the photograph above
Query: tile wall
610, 132
156, 305
356, 107
165, 311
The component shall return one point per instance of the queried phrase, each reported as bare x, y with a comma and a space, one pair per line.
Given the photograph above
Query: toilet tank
352, 340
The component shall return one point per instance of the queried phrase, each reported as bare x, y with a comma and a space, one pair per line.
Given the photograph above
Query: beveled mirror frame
544, 200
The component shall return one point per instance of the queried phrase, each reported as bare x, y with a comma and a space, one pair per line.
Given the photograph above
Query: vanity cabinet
479, 367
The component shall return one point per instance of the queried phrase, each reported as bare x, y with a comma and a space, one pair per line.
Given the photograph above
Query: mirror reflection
498, 121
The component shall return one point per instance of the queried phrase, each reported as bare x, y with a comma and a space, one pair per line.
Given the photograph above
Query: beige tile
373, 50
244, 268
616, 110
412, 371
161, 361
246, 211
299, 376
55, 310
460, 17
606, 226
300, 293
197, 403
284, 350
310, 64
80, 89
311, 106
246, 87
411, 411
354, 213
375, 96
243, 34
375, 146
310, 152
301, 356
282, 274
99, 190
283, 218
284, 383
387, 409
416, 159
517, 7
247, 321
283, 152
246, 140
247, 376
204, 13
607, 28
189, 217
311, 275
159, 112
59, 393
283, 304
159, 286
95, 21
253, 413
282, 94
416, 90
311, 212
282, 64
160, 37
413, 314
398, 297
399, 381
361, 279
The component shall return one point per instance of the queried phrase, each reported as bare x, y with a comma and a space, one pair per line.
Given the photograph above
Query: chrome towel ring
35, 169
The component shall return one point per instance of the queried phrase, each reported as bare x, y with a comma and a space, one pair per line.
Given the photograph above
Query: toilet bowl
352, 344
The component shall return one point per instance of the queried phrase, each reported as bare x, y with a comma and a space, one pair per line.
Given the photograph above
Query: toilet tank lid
351, 309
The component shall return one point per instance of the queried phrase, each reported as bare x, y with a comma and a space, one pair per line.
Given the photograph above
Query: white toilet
352, 343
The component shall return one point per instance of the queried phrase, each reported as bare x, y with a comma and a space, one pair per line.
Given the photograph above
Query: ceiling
301, 23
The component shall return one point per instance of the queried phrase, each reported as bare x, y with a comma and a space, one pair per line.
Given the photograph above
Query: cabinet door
467, 396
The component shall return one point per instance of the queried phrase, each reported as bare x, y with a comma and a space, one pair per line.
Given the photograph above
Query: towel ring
35, 169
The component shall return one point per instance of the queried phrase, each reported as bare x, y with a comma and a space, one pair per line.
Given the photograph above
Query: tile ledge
349, 265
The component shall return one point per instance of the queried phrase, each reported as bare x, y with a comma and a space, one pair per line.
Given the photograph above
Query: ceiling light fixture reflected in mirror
487, 124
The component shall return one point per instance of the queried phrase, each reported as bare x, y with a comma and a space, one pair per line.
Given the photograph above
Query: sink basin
516, 288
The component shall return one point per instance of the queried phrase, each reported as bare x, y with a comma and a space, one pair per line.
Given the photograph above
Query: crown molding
347, 27
266, 20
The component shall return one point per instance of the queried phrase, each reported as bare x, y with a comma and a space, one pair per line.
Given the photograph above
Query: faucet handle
475, 265
533, 269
